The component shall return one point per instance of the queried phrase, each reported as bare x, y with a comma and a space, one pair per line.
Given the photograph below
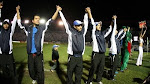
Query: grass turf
133, 75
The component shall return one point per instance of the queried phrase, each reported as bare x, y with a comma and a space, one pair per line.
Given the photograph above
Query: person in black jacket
7, 62
55, 57
35, 38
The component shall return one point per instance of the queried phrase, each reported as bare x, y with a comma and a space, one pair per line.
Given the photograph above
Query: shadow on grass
138, 80
20, 71
131, 63
60, 72
147, 66
87, 66
147, 80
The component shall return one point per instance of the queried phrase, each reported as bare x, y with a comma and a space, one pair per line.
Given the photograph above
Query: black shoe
110, 77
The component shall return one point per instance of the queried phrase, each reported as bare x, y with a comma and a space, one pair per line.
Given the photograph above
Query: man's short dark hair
35, 15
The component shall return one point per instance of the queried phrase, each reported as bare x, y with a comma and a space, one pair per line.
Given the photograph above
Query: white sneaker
86, 82
100, 82
34, 81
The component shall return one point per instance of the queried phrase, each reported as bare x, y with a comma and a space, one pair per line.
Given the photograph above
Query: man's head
36, 20
6, 24
124, 28
98, 25
77, 25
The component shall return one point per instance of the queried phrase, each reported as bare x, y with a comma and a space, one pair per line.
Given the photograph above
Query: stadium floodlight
60, 23
26, 21
42, 21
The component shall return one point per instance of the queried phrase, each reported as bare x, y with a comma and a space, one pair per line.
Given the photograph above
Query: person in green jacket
126, 52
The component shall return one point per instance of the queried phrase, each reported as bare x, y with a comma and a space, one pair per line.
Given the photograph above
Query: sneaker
87, 82
51, 70
116, 72
113, 79
34, 81
100, 82
122, 70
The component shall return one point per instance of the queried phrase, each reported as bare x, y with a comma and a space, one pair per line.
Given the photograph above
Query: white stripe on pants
139, 60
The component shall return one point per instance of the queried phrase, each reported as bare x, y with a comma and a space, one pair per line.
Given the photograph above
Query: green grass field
133, 75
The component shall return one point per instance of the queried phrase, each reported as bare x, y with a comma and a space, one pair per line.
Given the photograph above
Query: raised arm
19, 20
144, 31
65, 23
119, 33
114, 29
1, 6
107, 31
58, 8
85, 20
88, 10
13, 26
124, 33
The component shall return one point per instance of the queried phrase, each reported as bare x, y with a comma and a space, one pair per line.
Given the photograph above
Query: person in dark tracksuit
35, 38
55, 58
7, 62
99, 49
76, 47
115, 48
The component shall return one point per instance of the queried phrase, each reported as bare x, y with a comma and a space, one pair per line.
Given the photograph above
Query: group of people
76, 47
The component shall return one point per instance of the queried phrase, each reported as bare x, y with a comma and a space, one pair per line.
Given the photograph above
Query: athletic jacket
99, 38
115, 40
55, 55
39, 36
6, 37
76, 39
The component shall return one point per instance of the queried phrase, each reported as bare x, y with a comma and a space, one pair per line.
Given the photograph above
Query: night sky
129, 13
